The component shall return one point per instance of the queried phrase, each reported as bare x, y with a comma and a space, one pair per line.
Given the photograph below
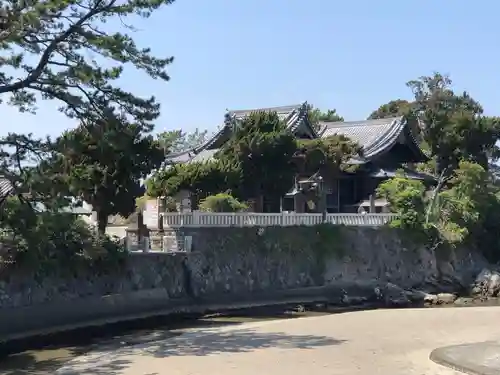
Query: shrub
170, 204
407, 199
54, 239
222, 202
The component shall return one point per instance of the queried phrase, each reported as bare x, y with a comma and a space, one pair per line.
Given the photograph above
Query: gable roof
374, 136
294, 117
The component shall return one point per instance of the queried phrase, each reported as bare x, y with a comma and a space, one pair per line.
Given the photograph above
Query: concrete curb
193, 306
475, 359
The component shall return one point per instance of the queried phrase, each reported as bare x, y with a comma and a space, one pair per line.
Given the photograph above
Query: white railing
248, 219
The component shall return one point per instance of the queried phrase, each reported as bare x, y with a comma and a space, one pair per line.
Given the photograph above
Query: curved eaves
415, 144
187, 155
386, 140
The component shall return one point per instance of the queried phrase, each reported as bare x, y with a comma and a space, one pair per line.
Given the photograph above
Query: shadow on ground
208, 342
45, 354
158, 337
203, 342
26, 364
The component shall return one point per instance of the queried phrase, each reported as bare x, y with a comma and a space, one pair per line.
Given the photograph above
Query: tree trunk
102, 222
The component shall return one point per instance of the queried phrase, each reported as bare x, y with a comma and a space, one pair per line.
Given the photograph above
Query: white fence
248, 219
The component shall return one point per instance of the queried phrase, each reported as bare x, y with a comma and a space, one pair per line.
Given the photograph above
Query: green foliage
74, 52
201, 179
455, 126
103, 165
260, 158
222, 203
465, 212
468, 204
174, 141
406, 198
170, 204
262, 148
326, 154
48, 241
316, 116
464, 207
394, 108
256, 159
140, 202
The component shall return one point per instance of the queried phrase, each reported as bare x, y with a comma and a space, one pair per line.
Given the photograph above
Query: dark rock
393, 295
487, 284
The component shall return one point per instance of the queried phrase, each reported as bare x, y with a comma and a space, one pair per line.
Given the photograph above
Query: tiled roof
5, 188
204, 155
365, 133
181, 157
285, 113
192, 156
374, 136
291, 114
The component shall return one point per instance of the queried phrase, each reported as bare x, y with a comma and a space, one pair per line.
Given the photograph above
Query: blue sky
348, 55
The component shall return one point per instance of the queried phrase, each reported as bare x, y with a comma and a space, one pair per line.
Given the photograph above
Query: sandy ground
367, 342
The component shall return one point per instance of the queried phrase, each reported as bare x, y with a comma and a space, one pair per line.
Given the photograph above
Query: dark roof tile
5, 187
291, 114
374, 136
285, 113
365, 133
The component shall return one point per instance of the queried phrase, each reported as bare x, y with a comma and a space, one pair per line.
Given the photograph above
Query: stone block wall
142, 271
230, 263
242, 260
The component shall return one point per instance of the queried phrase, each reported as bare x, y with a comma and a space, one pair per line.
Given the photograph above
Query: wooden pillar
372, 203
337, 182
298, 202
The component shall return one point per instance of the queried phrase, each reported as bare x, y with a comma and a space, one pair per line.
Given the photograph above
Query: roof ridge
267, 109
375, 122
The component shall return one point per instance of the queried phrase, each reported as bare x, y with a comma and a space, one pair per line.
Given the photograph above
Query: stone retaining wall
233, 267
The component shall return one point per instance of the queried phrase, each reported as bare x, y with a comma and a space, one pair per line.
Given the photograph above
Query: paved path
477, 358
368, 342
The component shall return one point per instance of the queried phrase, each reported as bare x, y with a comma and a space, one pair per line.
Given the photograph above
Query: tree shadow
107, 350
45, 354
96, 367
112, 360
29, 364
210, 341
